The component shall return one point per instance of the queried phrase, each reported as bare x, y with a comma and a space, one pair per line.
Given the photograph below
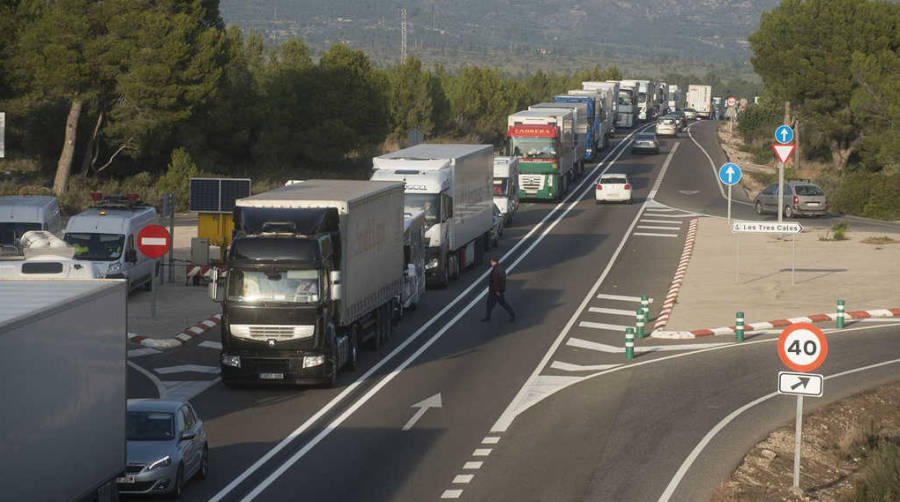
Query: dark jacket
498, 285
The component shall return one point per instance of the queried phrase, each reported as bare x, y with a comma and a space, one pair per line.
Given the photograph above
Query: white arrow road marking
188, 368
423, 406
153, 241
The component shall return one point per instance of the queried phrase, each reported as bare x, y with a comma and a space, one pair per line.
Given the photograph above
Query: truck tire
331, 377
453, 263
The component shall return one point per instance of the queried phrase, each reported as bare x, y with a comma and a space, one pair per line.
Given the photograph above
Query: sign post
729, 175
2, 134
154, 241
802, 347
762, 227
783, 136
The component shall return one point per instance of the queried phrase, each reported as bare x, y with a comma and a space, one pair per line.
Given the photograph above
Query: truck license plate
125, 480
271, 376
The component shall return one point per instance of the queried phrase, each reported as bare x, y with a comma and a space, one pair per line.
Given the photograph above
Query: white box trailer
674, 97
63, 383
579, 116
451, 183
699, 97
626, 108
608, 96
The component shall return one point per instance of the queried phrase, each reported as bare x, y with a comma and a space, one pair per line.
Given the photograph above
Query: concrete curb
672, 294
179, 339
778, 323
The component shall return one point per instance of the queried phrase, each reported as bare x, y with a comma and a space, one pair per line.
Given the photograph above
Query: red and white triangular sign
783, 152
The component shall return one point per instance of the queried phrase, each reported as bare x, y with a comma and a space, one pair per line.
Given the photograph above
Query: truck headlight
230, 360
312, 361
163, 462
432, 263
114, 268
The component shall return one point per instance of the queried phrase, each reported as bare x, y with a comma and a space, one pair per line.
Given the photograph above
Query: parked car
612, 188
645, 142
690, 114
801, 197
496, 228
680, 118
667, 125
166, 446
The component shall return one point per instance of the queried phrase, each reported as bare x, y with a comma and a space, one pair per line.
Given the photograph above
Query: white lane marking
655, 210
680, 215
390, 376
153, 241
649, 234
187, 389
621, 298
600, 325
472, 465
518, 403
559, 365
481, 452
667, 222
463, 479
188, 368
423, 406
490, 440
602, 310
211, 345
712, 166
451, 494
146, 351
652, 227
602, 347
682, 470
662, 174
160, 386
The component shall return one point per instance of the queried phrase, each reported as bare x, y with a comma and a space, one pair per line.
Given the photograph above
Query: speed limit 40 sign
802, 347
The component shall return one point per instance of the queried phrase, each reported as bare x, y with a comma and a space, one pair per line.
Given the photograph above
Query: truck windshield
501, 185
625, 98
533, 148
150, 426
96, 247
11, 232
642, 97
294, 286
428, 203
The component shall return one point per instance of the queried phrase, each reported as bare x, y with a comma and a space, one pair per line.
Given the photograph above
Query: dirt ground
836, 441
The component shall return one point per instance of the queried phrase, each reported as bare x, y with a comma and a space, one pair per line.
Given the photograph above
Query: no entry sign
154, 241
802, 347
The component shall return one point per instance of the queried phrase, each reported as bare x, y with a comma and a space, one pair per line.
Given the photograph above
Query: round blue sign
730, 173
784, 134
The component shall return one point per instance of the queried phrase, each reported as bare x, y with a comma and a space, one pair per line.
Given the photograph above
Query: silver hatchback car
801, 197
166, 447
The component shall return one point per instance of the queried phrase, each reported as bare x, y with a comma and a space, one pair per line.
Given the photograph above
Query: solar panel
217, 195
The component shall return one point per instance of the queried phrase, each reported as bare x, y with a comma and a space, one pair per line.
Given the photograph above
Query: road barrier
839, 318
639, 322
629, 343
739, 327
645, 306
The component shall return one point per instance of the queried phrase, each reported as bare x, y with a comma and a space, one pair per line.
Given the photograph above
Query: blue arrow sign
730, 173
784, 134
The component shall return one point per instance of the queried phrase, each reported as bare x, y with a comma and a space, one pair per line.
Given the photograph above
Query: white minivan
106, 237
23, 213
506, 186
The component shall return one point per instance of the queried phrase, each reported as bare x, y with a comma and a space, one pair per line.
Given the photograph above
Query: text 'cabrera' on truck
544, 142
452, 185
312, 272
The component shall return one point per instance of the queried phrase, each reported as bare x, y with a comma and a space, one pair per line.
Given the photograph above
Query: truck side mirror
335, 277
214, 290
131, 255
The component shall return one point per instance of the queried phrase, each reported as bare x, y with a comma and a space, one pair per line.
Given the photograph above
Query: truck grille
134, 469
531, 183
272, 331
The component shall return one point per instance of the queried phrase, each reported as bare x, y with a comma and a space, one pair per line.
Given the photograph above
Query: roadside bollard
639, 322
739, 327
629, 343
840, 314
645, 306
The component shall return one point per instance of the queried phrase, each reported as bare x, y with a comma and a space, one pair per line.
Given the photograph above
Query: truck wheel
454, 266
331, 377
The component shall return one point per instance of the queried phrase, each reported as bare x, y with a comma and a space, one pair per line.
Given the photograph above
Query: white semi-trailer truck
627, 110
609, 98
674, 97
62, 378
579, 115
699, 97
451, 184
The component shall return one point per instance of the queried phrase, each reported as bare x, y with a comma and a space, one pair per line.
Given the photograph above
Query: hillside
699, 31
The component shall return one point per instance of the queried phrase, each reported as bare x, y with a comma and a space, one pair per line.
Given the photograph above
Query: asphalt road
541, 409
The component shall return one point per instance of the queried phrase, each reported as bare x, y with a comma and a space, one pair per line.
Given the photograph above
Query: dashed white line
490, 440
481, 452
463, 479
451, 494
472, 465
667, 222
648, 234
652, 227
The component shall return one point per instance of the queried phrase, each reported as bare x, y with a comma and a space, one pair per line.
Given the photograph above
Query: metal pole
729, 205
172, 234
737, 257
780, 190
153, 291
793, 255
797, 430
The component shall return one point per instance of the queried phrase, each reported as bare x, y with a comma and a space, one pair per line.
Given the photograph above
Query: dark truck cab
284, 312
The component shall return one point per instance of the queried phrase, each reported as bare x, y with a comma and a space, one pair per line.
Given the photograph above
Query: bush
873, 195
881, 478
178, 178
758, 121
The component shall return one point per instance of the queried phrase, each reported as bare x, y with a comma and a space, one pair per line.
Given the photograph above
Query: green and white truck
544, 141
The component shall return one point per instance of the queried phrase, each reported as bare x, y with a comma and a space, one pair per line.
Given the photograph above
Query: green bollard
629, 343
639, 322
840, 314
645, 306
739, 327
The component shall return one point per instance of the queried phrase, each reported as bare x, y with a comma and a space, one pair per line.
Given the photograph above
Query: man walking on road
496, 289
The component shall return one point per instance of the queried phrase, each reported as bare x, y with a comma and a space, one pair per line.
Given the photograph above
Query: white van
506, 186
22, 213
106, 237
46, 257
